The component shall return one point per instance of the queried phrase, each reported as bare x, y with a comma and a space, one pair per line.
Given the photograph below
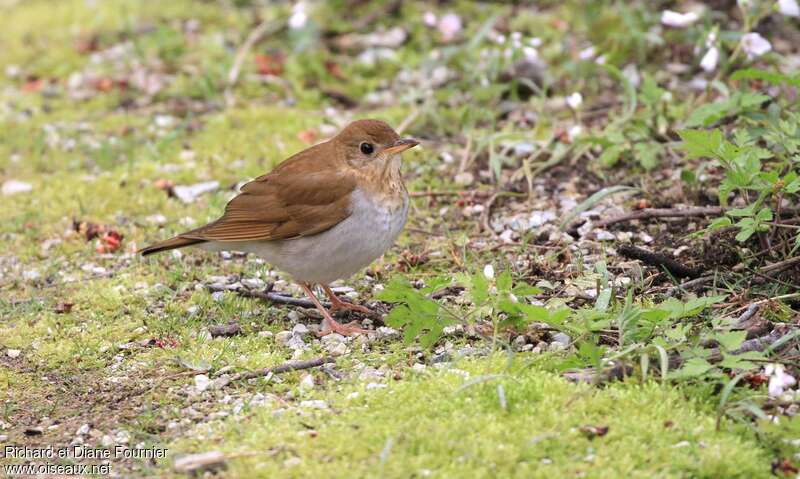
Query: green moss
439, 424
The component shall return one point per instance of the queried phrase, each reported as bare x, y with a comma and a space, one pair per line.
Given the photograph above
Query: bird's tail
172, 243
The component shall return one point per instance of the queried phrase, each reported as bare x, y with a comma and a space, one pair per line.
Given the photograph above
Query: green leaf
610, 156
693, 368
701, 143
523, 290
731, 340
504, 282
769, 77
647, 154
479, 289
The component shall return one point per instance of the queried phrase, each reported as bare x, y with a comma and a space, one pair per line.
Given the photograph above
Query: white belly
336, 253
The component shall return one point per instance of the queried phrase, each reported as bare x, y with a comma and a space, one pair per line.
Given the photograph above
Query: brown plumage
310, 196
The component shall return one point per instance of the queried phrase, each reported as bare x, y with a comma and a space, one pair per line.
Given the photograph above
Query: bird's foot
330, 326
340, 305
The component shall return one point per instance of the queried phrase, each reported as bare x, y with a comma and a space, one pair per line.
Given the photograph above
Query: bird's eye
367, 148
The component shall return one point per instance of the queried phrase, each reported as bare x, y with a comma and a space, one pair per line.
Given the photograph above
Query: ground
527, 323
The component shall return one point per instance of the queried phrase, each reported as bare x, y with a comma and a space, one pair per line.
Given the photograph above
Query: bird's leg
329, 325
337, 304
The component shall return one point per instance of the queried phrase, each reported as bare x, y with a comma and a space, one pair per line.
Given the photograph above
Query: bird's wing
303, 196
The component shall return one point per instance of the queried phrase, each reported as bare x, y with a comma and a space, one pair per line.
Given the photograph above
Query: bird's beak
400, 146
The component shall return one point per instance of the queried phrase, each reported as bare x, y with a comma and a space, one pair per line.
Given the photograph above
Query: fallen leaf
594, 431
33, 84
335, 71
64, 307
308, 136
109, 242
267, 64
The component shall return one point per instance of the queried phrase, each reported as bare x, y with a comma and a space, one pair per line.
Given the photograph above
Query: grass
114, 341
461, 429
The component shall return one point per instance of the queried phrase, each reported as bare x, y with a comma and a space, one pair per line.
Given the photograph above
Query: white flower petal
710, 60
488, 271
429, 19
299, 17
789, 8
449, 26
575, 100
677, 19
755, 45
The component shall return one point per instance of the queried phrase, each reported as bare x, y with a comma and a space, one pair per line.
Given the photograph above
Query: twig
659, 260
465, 158
422, 194
276, 298
767, 300
280, 369
661, 213
487, 213
691, 284
748, 313
780, 265
255, 35
407, 121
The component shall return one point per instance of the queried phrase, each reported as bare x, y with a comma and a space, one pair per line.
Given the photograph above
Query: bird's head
371, 144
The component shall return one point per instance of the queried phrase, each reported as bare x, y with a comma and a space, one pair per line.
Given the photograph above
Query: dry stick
657, 259
780, 265
748, 313
672, 213
407, 121
223, 381
253, 38
661, 213
423, 194
284, 368
487, 213
276, 298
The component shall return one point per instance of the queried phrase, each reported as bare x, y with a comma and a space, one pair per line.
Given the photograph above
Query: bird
321, 215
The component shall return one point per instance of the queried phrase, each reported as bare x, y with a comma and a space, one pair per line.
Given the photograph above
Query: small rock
418, 367
283, 337
307, 383
225, 330
603, 235
254, 283
519, 342
336, 349
266, 334
197, 462
293, 461
83, 430
562, 338
201, 382
385, 332
465, 178
314, 404
13, 353
375, 386
300, 330
13, 187
187, 194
